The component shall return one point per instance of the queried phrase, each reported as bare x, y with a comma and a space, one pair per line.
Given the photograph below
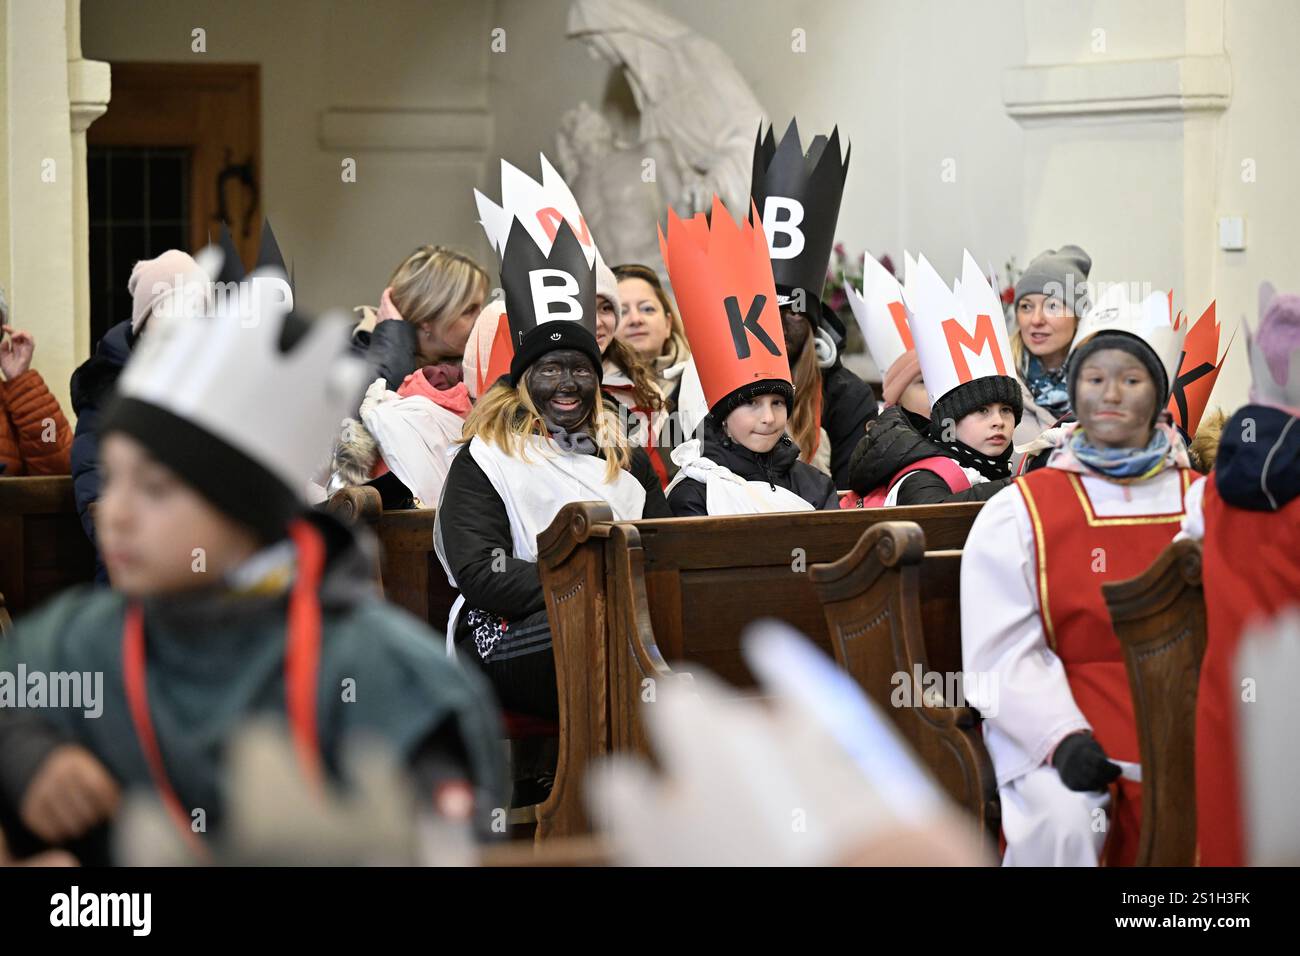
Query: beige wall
911, 85
412, 91
1259, 126
36, 185
379, 82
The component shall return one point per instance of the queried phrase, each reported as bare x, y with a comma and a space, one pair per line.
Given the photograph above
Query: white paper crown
539, 206
1265, 389
881, 313
960, 333
225, 373
1150, 320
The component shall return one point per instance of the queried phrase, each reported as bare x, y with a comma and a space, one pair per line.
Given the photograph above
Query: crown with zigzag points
547, 281
798, 199
266, 381
960, 333
881, 313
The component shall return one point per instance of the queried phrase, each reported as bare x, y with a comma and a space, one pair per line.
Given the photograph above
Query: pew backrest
43, 547
406, 568
892, 610
626, 598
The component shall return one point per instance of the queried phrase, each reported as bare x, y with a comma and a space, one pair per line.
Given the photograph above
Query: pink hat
1277, 340
899, 375
153, 280
479, 369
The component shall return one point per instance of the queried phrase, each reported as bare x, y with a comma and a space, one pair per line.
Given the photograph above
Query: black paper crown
816, 181
268, 256
521, 257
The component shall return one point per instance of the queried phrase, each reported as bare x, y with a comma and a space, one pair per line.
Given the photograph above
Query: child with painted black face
1110, 498
563, 386
540, 438
529, 449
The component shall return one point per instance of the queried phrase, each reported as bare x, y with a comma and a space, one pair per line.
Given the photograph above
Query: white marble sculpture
698, 121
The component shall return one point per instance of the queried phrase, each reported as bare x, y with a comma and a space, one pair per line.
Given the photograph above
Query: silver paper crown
226, 373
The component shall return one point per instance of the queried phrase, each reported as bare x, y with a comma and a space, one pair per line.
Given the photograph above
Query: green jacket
214, 659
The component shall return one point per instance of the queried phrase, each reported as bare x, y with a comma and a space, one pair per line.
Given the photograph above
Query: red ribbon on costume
301, 678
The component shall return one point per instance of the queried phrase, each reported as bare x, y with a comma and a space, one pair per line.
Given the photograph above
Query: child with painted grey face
1115, 399
564, 386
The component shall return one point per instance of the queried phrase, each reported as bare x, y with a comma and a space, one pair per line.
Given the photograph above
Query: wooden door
178, 150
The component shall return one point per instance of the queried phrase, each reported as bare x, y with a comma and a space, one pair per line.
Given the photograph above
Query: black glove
1082, 763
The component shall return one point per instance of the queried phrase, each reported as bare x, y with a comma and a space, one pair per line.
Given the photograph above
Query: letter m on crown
550, 219
960, 341
748, 323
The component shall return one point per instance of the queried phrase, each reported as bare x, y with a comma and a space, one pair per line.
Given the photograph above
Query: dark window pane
128, 249
126, 180
166, 187
164, 237
121, 306
99, 257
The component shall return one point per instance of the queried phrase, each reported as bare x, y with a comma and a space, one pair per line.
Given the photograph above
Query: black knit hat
964, 399
747, 393
234, 483
1124, 342
525, 269
551, 337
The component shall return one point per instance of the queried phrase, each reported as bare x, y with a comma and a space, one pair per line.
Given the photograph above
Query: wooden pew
43, 548
624, 598
1159, 617
407, 569
893, 608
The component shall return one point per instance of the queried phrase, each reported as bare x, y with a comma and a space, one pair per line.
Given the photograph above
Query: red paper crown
722, 279
1198, 370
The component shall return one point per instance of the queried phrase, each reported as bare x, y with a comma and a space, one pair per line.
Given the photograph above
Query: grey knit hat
1058, 273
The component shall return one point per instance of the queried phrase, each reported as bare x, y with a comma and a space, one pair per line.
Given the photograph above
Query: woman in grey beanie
1050, 295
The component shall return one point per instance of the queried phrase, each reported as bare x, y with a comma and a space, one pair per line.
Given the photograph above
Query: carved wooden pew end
1159, 617
894, 616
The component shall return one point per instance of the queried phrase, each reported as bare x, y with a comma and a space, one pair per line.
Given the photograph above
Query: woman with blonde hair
1050, 295
539, 438
415, 342
425, 314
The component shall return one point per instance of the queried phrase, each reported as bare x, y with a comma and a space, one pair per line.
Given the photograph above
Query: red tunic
1251, 570
1076, 552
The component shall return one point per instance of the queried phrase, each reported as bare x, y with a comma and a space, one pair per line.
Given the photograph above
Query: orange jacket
28, 446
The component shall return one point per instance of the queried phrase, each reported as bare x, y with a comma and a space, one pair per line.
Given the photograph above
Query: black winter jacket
779, 467
895, 440
847, 405
1262, 474
475, 524
390, 349
91, 388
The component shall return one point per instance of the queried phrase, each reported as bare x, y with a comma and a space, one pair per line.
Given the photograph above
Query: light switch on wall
1232, 233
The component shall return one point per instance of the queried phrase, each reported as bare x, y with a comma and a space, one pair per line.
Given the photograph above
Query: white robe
413, 434
1027, 706
725, 492
534, 487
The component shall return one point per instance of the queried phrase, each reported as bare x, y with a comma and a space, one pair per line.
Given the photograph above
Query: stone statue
698, 123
